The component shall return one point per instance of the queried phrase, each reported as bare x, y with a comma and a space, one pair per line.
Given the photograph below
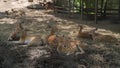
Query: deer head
15, 35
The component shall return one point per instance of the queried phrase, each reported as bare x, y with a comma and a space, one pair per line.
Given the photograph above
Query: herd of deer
60, 43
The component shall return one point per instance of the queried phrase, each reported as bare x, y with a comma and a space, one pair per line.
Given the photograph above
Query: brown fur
52, 37
24, 37
69, 47
103, 38
63, 44
84, 34
30, 39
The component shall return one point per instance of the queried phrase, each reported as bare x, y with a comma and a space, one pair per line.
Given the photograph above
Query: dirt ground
98, 55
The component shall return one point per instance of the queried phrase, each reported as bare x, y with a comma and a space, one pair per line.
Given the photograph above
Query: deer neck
23, 36
80, 30
93, 36
52, 32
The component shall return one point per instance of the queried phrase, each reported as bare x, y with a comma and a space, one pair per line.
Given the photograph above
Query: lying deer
68, 47
102, 38
51, 38
24, 38
84, 34
62, 44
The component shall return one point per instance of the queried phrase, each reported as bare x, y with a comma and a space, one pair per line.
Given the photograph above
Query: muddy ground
97, 54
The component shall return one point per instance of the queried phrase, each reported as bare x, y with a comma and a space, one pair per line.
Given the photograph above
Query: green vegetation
107, 6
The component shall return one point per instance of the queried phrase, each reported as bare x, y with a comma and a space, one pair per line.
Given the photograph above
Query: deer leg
80, 49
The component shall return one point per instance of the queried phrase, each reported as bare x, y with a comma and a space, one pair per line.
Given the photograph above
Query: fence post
81, 5
96, 10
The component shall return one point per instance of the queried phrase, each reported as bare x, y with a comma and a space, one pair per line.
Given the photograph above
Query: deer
52, 36
68, 47
84, 34
102, 38
24, 37
62, 44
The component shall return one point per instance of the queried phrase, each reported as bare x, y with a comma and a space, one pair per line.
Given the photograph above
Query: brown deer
24, 37
63, 44
52, 37
68, 47
102, 38
84, 34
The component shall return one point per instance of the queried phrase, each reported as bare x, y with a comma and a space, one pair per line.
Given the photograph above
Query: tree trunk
119, 8
101, 10
105, 7
96, 10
